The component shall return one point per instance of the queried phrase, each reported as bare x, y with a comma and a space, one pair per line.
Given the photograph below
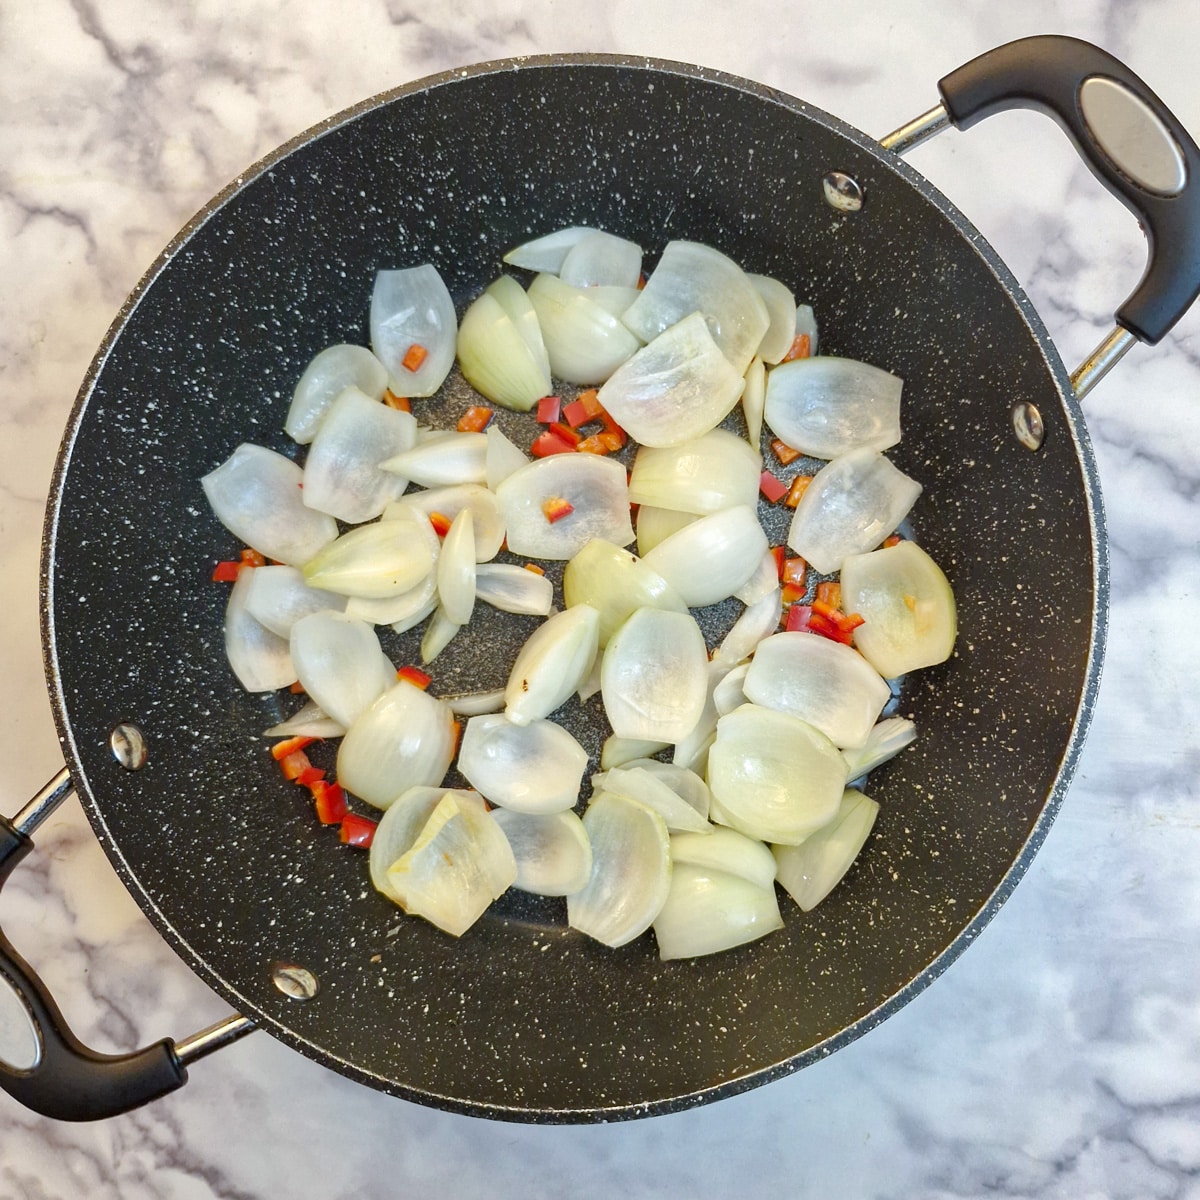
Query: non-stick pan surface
521, 1018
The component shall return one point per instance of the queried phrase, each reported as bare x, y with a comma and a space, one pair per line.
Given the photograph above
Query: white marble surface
1059, 1058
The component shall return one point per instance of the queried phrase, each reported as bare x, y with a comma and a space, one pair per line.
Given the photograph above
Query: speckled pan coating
522, 1019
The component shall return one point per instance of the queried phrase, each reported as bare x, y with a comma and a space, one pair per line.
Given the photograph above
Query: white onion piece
586, 344
762, 583
445, 459
601, 259
476, 704
337, 661
806, 322
691, 751
546, 253
708, 911
616, 584
654, 675
460, 862
712, 558
594, 486
514, 589
495, 358
405, 739
307, 721
781, 311
258, 496
617, 751
412, 307
829, 406
730, 692
416, 616
774, 776
653, 790
656, 524
374, 561
554, 856
759, 621
907, 605
725, 850
829, 685
501, 458
631, 871
554, 661
591, 684
278, 597
456, 569
329, 374
512, 298
439, 633
674, 389
683, 781
414, 605
691, 277
754, 400
260, 659
450, 500
714, 471
884, 742
852, 504
615, 300
810, 871
534, 768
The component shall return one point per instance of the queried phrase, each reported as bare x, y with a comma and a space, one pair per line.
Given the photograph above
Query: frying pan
523, 1019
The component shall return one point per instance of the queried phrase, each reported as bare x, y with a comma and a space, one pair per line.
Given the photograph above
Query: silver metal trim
1132, 135
901, 140
215, 1037
44, 803
1101, 361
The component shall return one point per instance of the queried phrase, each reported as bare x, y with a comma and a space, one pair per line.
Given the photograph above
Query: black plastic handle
1047, 73
70, 1082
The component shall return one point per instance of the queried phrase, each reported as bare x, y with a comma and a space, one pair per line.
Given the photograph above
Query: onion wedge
708, 911
401, 825
514, 589
552, 664
456, 569
329, 374
444, 458
547, 253
497, 360
811, 870
714, 471
337, 660
617, 751
585, 343
636, 783
278, 597
450, 500
307, 721
710, 559
600, 259
260, 658
616, 584
552, 851
374, 561
533, 768
781, 311
412, 308
884, 742
726, 850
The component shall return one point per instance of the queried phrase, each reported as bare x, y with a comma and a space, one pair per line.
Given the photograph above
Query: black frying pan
521, 1018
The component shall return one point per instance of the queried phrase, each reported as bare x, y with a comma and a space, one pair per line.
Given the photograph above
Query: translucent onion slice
674, 389
414, 605
307, 721
773, 776
654, 676
374, 561
781, 311
829, 406
656, 524
717, 470
806, 322
591, 684
278, 597
631, 871
412, 307
615, 300
337, 661
691, 277
682, 781
546, 253
636, 783
616, 584
730, 692
533, 768
762, 583
726, 850
596, 489
456, 569
708, 911
691, 751
517, 304
759, 621
552, 664
445, 459
405, 739
460, 862
852, 504
329, 374
495, 358
450, 500
810, 871
417, 615
342, 476
260, 659
709, 560
439, 633
829, 685
884, 742
514, 589
908, 604
554, 856
617, 751
476, 704
754, 400
501, 457
586, 344
257, 495
600, 259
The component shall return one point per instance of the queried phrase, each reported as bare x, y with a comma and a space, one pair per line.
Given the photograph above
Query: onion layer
337, 661
496, 359
412, 307
552, 664
709, 560
616, 584
533, 768
714, 471
708, 911
325, 378
373, 561
553, 854
585, 343
260, 659
811, 870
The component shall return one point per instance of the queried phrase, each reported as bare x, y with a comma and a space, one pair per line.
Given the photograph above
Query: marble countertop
1060, 1057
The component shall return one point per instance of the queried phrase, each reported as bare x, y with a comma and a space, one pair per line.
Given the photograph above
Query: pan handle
60, 1077
1127, 137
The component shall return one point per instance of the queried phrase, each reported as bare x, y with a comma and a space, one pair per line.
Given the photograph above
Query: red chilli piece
400, 403
783, 451
566, 433
801, 347
555, 508
779, 554
281, 750
414, 356
830, 593
440, 522
798, 618
358, 831
796, 491
475, 420
549, 443
894, 540
535, 568
415, 676
549, 409
226, 572
252, 558
774, 489
294, 765
792, 592
329, 802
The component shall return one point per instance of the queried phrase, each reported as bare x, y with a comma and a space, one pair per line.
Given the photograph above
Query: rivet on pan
297, 982
1028, 425
843, 192
128, 746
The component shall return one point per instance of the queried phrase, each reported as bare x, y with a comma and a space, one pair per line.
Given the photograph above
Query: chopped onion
709, 560
781, 310
448, 458
811, 870
536, 767
631, 871
552, 664
258, 496
806, 322
554, 856
401, 825
260, 658
708, 911
547, 253
684, 782
596, 489
374, 561
586, 344
852, 504
884, 742
615, 300
654, 675
329, 374
411, 606
759, 621
762, 583
516, 303
773, 776
307, 721
600, 259
617, 751
591, 683
439, 633
456, 569
496, 359
656, 524
513, 589
412, 307
636, 783
501, 457
278, 597
674, 389
691, 750
730, 692
417, 615
337, 661
725, 850
714, 471
450, 500
690, 278
476, 704
754, 400
829, 406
